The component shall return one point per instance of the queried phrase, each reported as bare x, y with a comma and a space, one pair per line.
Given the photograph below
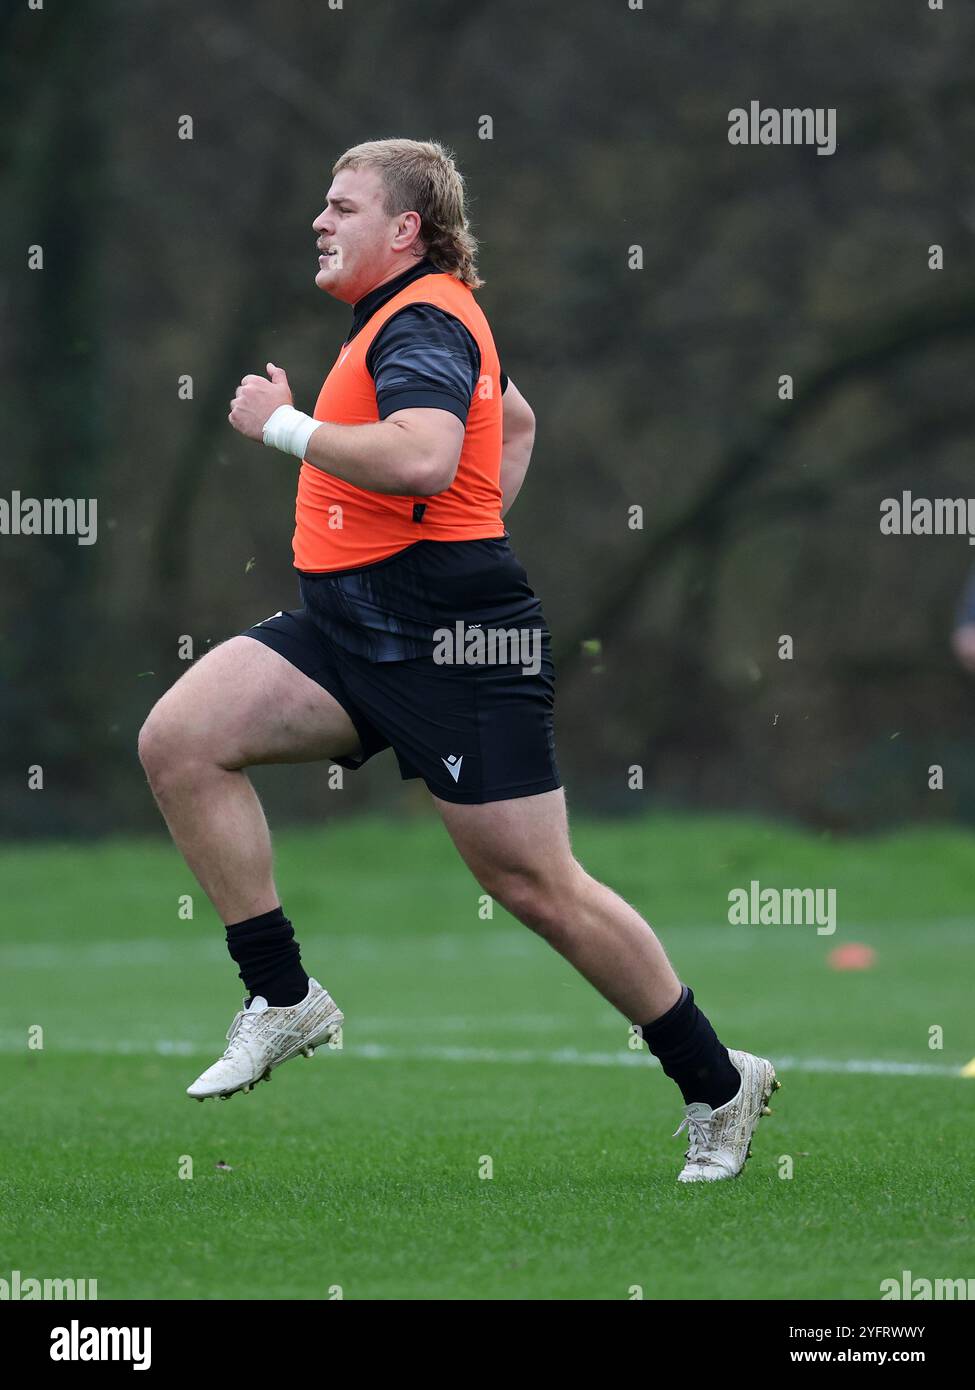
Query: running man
417, 631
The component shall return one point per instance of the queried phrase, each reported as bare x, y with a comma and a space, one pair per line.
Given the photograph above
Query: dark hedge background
655, 387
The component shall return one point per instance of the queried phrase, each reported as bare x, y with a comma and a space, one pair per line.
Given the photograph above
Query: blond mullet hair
421, 176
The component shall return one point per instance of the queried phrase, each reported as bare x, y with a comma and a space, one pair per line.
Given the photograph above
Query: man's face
356, 238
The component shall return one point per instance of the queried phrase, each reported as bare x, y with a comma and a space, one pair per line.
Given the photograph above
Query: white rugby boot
261, 1038
721, 1140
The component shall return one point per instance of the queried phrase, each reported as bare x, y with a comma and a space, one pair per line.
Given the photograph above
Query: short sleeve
424, 356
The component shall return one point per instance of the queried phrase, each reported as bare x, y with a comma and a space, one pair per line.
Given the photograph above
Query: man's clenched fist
257, 399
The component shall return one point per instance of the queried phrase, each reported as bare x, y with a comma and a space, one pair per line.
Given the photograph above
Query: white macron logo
452, 764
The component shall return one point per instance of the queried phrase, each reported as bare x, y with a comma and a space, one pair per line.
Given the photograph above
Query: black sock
269, 958
690, 1053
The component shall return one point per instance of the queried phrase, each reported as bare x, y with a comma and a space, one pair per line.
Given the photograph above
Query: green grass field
465, 1038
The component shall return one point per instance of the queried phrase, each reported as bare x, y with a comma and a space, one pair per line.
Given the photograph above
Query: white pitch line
572, 1057
197, 943
565, 1056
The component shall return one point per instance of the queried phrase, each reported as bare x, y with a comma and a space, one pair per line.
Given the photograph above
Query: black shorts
473, 732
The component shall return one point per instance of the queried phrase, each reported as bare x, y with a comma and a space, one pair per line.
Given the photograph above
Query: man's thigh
244, 704
501, 841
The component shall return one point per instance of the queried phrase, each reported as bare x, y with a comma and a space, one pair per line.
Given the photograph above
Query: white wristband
289, 430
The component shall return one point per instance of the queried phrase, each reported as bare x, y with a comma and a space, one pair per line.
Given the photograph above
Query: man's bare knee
152, 742
241, 705
541, 900
180, 733
167, 751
